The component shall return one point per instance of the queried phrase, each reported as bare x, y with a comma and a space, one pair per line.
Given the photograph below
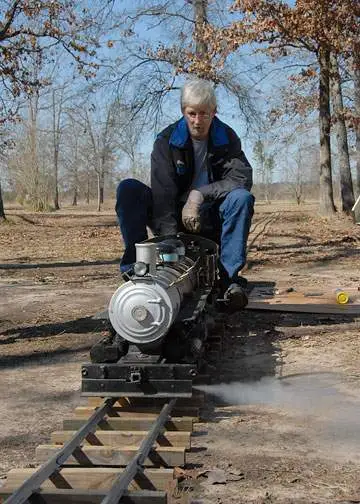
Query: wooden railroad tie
88, 474
92, 478
74, 495
115, 456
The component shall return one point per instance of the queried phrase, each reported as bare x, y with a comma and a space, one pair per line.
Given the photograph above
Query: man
200, 183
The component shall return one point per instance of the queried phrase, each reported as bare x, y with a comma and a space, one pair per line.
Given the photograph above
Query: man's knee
239, 199
132, 193
129, 188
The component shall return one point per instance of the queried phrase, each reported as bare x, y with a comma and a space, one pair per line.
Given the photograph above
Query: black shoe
235, 297
239, 280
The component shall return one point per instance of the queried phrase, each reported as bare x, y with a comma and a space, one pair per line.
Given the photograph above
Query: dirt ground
281, 425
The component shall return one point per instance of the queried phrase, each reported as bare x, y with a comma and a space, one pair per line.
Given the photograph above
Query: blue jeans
226, 221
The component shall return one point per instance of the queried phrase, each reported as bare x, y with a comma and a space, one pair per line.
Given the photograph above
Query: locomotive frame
167, 366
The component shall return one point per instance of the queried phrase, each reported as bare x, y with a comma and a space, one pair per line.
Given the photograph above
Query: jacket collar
180, 134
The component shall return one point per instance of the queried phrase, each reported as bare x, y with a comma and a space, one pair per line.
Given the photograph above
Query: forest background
86, 86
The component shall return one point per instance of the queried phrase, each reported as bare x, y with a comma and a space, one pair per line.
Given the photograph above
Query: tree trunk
326, 204
34, 191
56, 198
200, 19
102, 184
88, 187
98, 192
266, 193
2, 210
346, 185
357, 125
56, 153
75, 179
76, 185
75, 197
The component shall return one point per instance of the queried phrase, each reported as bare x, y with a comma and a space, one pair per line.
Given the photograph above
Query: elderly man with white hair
200, 183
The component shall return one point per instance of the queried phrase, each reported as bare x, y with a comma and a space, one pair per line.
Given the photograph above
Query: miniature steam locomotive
158, 320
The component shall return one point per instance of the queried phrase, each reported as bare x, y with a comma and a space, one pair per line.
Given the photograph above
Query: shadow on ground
77, 326
45, 357
68, 264
252, 350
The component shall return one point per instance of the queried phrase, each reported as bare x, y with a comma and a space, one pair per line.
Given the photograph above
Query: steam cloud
309, 392
332, 408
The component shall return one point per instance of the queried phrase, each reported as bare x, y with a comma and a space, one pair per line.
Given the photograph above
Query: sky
264, 90
263, 79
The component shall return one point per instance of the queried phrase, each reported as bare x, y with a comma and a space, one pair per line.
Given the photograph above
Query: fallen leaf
216, 476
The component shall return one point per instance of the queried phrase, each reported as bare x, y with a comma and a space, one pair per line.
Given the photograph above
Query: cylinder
146, 253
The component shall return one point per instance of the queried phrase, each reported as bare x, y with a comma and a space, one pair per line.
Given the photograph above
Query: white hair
198, 92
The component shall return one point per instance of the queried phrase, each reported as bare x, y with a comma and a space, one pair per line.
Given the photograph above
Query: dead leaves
214, 476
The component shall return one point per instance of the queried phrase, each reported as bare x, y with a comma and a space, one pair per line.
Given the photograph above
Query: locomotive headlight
140, 268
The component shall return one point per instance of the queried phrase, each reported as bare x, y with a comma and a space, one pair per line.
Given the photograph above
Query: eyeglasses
201, 115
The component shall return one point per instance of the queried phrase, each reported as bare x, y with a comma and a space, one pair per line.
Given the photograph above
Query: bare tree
73, 169
102, 134
76, 152
300, 161
200, 18
298, 170
265, 167
327, 206
34, 168
154, 66
2, 166
2, 210
57, 111
346, 185
357, 123
29, 165
29, 28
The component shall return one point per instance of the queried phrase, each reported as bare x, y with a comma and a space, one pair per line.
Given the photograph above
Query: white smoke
300, 391
330, 405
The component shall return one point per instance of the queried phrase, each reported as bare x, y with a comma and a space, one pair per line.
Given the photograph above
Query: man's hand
191, 211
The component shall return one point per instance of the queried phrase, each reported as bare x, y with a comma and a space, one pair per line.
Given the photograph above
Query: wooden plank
62, 496
131, 424
96, 478
304, 302
306, 308
131, 411
112, 456
125, 438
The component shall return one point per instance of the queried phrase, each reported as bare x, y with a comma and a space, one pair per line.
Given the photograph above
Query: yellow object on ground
342, 297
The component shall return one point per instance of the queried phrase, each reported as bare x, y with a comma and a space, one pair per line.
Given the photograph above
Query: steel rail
136, 465
22, 494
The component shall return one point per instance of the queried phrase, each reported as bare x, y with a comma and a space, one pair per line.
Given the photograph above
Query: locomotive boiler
158, 322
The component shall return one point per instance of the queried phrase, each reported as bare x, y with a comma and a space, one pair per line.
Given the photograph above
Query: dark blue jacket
172, 170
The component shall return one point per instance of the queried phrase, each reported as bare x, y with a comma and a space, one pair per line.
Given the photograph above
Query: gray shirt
201, 177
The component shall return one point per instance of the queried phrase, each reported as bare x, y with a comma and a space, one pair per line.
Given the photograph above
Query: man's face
198, 119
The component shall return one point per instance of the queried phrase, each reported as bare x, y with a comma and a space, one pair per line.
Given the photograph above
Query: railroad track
110, 451
115, 450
